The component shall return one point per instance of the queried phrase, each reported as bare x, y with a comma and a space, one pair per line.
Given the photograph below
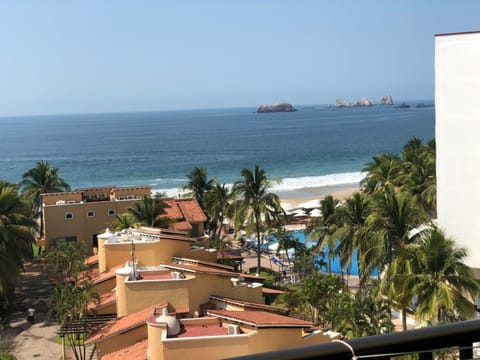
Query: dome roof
173, 326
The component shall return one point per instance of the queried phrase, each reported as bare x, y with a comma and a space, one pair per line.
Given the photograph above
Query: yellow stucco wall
81, 226
219, 347
140, 294
188, 293
121, 341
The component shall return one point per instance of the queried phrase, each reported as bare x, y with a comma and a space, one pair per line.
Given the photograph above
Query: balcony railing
424, 342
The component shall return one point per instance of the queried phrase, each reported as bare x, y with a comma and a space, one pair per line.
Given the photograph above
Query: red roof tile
171, 210
137, 351
191, 210
196, 330
250, 305
106, 299
92, 260
203, 269
272, 291
122, 324
180, 226
260, 318
106, 275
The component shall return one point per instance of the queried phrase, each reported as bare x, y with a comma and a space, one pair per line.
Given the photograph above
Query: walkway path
34, 341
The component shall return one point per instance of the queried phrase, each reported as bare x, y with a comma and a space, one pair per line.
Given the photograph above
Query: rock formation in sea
280, 107
361, 102
386, 100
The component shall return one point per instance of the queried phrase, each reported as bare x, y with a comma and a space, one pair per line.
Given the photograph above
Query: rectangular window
91, 213
68, 215
112, 212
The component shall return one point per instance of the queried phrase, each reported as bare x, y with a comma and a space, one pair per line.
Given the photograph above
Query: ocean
314, 146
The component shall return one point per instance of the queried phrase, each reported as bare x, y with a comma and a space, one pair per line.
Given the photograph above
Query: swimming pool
335, 266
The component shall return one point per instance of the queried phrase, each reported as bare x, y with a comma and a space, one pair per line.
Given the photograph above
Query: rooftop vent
233, 329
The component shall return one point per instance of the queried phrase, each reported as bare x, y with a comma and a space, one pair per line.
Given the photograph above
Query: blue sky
112, 55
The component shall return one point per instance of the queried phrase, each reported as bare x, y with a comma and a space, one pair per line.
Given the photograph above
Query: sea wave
291, 184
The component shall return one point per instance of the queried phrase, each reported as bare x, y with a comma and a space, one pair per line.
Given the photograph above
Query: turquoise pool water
335, 266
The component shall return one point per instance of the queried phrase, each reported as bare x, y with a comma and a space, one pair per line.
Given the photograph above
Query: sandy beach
295, 197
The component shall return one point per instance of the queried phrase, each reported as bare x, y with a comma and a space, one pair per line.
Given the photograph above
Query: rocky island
385, 100
280, 107
361, 102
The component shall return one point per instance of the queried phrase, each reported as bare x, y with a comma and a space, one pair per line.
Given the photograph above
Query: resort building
82, 214
168, 303
457, 85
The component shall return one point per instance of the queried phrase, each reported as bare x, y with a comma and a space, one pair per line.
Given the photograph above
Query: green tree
286, 241
419, 174
40, 180
262, 208
199, 184
391, 224
149, 212
217, 204
16, 236
70, 299
363, 313
432, 271
352, 233
383, 170
123, 221
323, 229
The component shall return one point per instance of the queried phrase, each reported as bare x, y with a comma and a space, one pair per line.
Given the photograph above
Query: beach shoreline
297, 196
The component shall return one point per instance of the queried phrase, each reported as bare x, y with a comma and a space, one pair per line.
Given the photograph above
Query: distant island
403, 106
280, 107
385, 100
422, 105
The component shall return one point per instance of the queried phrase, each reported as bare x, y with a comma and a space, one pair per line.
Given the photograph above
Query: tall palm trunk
259, 255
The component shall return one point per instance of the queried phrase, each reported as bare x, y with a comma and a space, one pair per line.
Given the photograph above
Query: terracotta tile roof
106, 275
180, 226
137, 351
124, 323
260, 319
204, 269
171, 210
228, 255
106, 299
197, 330
92, 260
250, 305
191, 210
272, 291
194, 262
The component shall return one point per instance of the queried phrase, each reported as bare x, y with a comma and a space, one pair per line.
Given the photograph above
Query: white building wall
457, 101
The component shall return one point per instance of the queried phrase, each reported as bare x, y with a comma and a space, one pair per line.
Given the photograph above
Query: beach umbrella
315, 213
312, 204
300, 213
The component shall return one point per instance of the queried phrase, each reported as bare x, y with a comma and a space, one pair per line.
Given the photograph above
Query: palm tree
382, 171
391, 225
16, 234
324, 228
148, 212
40, 180
217, 203
351, 233
198, 184
364, 313
123, 221
419, 179
261, 207
433, 270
